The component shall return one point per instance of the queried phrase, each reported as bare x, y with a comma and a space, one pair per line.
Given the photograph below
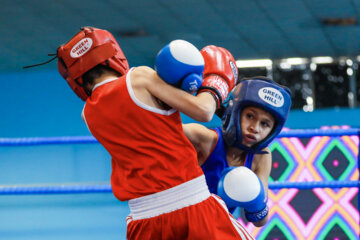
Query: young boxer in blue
255, 114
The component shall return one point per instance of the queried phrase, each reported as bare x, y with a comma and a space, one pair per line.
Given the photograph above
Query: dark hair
96, 72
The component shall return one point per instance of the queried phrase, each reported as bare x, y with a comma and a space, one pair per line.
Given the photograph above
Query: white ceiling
250, 29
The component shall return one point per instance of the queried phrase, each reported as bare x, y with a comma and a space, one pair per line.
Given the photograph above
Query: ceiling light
349, 62
295, 61
322, 60
309, 100
254, 63
285, 65
313, 66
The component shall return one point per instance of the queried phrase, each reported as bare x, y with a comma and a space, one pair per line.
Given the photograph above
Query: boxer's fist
220, 73
180, 64
241, 187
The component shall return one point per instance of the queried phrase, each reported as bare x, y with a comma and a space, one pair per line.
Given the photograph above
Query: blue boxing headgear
258, 92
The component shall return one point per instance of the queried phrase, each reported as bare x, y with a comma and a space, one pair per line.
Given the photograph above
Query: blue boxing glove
180, 64
241, 187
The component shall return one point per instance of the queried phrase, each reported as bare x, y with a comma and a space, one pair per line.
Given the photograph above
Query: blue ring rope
55, 189
307, 133
315, 184
106, 188
47, 140
301, 133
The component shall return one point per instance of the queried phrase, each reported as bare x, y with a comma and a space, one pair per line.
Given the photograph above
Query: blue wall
39, 103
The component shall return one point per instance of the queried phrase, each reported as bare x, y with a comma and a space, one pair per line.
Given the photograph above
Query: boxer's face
256, 124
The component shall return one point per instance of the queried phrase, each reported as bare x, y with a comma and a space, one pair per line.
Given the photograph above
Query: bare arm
202, 138
147, 84
262, 168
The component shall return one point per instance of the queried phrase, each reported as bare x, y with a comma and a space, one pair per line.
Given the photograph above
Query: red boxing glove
220, 73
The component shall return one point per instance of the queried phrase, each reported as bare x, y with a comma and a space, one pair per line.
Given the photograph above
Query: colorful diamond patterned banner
319, 213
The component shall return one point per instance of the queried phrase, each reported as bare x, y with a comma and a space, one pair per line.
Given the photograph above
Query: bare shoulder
146, 77
142, 71
142, 74
141, 78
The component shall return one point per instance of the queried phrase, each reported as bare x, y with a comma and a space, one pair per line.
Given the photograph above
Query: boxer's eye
249, 116
265, 124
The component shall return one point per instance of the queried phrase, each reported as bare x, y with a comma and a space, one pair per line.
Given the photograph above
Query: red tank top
149, 150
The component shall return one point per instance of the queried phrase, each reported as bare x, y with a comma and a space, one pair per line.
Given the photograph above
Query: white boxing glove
241, 187
180, 64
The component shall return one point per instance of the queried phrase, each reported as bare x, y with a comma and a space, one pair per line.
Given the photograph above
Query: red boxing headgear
88, 48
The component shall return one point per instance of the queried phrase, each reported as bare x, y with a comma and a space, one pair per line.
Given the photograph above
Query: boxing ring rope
304, 133
47, 141
106, 188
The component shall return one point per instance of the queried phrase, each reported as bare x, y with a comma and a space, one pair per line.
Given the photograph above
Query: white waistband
183, 195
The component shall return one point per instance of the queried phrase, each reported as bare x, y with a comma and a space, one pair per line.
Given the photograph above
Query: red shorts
187, 211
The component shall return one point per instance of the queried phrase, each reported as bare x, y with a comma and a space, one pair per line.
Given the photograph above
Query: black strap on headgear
39, 64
